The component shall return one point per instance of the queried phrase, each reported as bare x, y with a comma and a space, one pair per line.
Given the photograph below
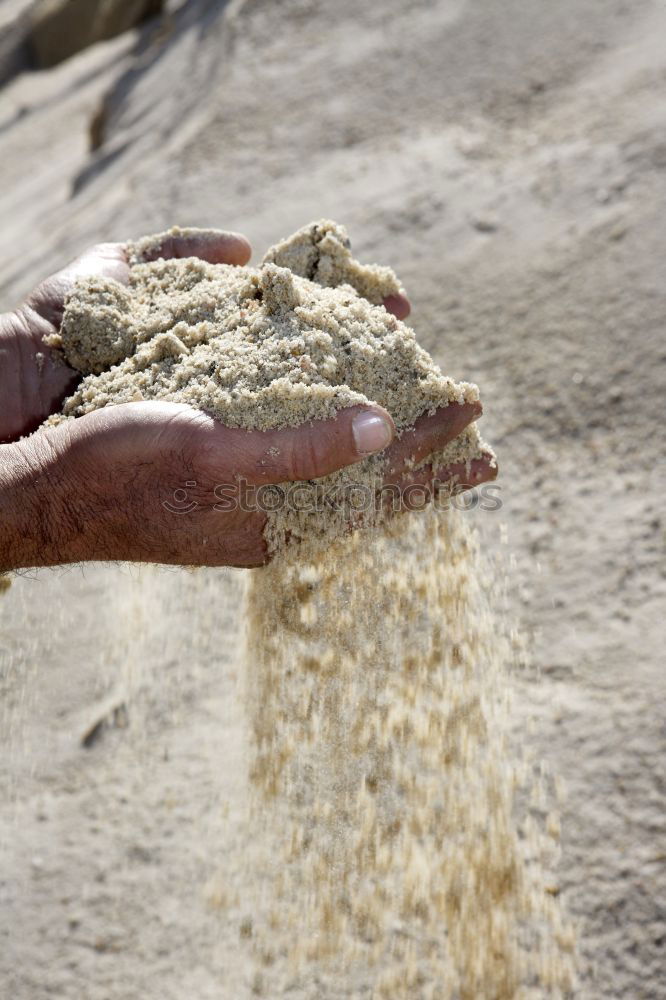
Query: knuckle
305, 455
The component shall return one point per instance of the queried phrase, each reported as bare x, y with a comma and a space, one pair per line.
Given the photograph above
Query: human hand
34, 380
138, 481
108, 473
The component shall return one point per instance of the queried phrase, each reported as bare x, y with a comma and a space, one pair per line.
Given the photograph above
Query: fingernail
372, 432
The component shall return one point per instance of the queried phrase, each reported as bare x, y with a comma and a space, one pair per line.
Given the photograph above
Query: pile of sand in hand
296, 339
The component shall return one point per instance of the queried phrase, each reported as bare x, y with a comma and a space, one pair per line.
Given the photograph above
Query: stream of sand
403, 844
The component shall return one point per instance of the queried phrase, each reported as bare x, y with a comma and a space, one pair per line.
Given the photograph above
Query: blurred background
508, 159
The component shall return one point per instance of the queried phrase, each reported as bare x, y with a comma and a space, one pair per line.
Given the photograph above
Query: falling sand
391, 850
386, 818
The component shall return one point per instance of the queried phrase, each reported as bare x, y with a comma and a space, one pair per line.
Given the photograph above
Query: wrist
36, 528
116, 505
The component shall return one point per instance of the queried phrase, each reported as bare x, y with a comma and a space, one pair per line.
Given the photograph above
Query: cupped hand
34, 380
162, 482
138, 481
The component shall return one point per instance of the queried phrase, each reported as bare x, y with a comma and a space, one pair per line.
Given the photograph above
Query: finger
466, 476
108, 260
212, 245
105, 259
417, 489
308, 451
398, 304
430, 433
462, 475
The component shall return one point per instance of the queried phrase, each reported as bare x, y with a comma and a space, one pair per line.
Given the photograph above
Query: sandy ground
509, 160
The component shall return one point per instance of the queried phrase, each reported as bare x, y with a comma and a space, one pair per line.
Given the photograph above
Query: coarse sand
296, 339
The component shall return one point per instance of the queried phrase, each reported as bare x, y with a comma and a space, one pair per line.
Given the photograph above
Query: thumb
314, 449
105, 259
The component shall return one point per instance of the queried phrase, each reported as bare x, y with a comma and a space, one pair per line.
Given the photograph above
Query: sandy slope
509, 161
